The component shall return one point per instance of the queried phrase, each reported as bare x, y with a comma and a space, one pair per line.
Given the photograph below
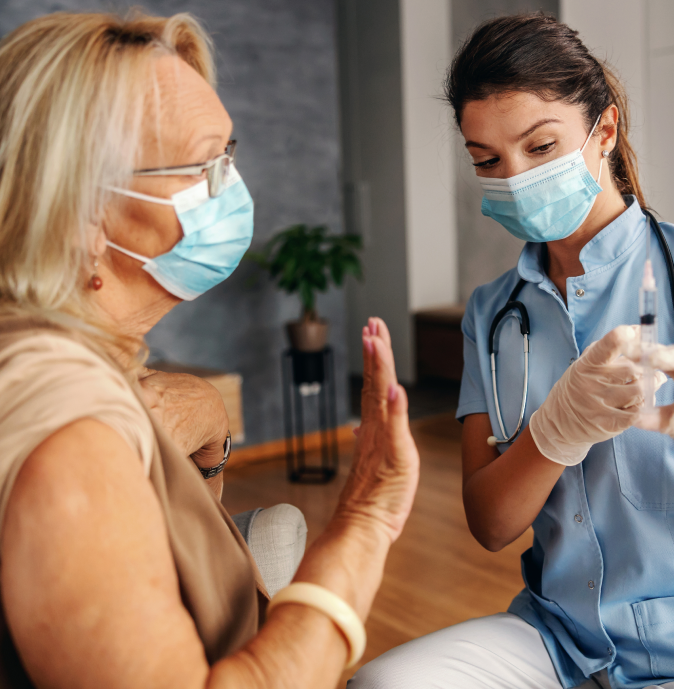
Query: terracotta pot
308, 336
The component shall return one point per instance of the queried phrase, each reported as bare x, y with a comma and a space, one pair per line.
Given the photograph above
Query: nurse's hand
597, 398
662, 359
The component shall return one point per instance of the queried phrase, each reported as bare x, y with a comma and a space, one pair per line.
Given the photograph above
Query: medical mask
546, 203
217, 233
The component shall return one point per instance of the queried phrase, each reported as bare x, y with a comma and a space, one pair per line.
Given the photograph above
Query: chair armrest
277, 538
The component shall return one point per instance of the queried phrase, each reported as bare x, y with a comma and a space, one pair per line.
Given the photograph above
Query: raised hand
385, 471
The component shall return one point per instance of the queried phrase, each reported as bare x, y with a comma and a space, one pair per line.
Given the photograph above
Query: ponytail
623, 160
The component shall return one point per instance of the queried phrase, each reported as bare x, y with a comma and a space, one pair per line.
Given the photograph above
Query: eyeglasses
217, 170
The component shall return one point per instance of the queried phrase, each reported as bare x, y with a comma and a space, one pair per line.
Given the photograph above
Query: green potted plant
304, 261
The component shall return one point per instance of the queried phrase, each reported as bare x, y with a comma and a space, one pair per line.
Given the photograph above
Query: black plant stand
308, 375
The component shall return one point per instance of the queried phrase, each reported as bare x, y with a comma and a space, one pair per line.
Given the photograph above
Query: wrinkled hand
191, 411
385, 470
597, 398
661, 358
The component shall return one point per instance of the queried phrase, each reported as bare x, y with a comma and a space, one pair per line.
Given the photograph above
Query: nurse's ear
607, 129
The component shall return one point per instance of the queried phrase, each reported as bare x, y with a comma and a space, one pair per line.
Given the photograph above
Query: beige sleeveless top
50, 378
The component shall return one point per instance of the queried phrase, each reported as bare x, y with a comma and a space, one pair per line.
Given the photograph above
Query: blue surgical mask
217, 233
546, 203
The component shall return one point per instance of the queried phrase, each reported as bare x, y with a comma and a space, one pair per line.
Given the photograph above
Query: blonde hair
71, 105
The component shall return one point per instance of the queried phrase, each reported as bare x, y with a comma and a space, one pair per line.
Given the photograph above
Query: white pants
497, 652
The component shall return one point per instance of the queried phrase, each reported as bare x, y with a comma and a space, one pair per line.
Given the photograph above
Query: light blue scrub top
600, 575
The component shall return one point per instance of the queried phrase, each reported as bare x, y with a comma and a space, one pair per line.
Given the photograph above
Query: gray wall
278, 79
486, 250
372, 126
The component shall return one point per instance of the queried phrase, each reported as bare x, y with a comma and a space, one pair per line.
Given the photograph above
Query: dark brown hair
537, 54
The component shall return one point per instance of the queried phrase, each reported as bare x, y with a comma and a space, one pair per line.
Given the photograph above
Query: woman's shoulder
47, 355
34, 336
486, 301
42, 343
668, 229
28, 340
489, 298
49, 380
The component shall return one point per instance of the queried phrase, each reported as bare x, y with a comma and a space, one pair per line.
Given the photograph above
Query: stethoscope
525, 328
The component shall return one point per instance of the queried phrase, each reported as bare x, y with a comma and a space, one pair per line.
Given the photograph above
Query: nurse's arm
502, 493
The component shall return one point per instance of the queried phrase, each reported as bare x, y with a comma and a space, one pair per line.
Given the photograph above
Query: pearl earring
605, 154
95, 282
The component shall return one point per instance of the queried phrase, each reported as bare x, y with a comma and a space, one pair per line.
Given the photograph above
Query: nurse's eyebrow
475, 144
538, 124
523, 135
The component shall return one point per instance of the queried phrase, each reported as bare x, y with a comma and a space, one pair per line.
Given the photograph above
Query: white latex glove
662, 358
597, 398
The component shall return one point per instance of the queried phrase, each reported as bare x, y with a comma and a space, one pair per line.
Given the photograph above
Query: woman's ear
97, 239
100, 241
608, 128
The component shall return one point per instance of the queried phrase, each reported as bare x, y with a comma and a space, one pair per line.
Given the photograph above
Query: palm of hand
385, 471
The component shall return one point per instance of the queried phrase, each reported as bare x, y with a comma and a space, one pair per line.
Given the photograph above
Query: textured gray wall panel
278, 79
486, 250
372, 130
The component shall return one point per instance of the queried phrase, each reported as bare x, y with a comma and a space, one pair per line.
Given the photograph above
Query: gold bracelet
341, 613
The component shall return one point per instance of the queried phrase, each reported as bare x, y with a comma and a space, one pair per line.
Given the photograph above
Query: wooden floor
436, 574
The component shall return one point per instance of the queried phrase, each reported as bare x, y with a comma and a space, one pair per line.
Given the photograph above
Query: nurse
546, 125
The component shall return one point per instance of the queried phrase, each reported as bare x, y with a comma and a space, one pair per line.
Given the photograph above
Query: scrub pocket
655, 621
645, 465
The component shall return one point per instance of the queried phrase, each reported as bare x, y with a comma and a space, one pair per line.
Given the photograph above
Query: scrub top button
579, 519
610, 651
580, 292
590, 584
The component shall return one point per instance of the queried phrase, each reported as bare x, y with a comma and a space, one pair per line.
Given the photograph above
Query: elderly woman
118, 199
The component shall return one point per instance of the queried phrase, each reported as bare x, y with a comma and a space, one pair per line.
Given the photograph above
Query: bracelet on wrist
214, 471
330, 604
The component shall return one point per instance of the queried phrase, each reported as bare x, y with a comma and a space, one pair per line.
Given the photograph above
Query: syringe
648, 297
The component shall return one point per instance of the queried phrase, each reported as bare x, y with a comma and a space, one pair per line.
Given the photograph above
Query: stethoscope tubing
493, 440
525, 329
669, 261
